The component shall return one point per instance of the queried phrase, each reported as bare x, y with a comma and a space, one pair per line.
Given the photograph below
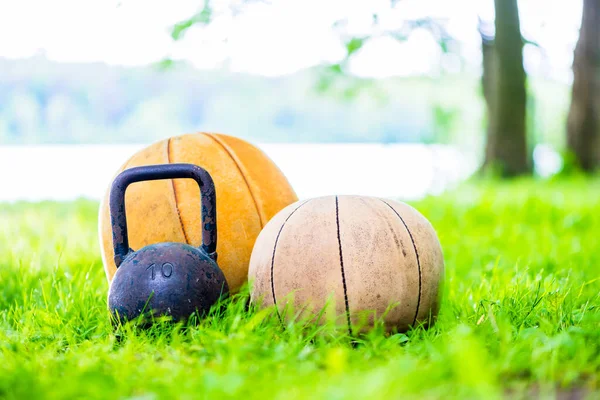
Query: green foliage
165, 64
571, 166
520, 315
44, 102
446, 122
202, 18
353, 45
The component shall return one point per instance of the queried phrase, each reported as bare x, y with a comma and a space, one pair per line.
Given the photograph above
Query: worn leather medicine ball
364, 253
250, 190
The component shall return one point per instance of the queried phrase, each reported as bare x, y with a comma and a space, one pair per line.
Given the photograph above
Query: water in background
407, 171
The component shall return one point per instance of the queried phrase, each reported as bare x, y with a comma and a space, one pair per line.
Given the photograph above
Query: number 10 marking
166, 270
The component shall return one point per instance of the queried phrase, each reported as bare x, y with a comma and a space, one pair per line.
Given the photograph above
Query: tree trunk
507, 147
583, 123
488, 83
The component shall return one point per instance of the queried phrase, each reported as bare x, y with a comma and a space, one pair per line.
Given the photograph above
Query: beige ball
365, 257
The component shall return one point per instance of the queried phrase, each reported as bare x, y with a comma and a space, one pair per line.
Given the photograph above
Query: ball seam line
231, 154
273, 258
337, 222
187, 240
417, 255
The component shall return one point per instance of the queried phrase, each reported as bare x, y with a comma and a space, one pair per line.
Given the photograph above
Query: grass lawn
520, 317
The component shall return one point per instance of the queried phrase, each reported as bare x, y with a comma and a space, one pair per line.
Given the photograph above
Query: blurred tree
505, 93
503, 79
583, 123
486, 32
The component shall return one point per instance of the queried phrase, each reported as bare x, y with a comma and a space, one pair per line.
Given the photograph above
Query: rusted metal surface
173, 279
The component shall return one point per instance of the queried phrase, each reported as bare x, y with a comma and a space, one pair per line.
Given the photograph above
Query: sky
277, 37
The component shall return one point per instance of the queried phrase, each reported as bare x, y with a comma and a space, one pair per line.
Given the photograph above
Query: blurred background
407, 97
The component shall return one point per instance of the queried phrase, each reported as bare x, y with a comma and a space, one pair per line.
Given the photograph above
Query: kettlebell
164, 279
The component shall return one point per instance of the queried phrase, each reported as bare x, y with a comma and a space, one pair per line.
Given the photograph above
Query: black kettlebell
172, 279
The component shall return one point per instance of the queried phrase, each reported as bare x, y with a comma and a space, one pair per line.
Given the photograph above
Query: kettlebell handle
156, 172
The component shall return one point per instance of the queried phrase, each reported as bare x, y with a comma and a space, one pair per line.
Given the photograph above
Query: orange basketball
250, 190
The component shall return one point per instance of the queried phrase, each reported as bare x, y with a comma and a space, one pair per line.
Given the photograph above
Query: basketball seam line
417, 255
244, 177
337, 222
187, 241
273, 257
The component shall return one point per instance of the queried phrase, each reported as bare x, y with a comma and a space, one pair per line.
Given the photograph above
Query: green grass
520, 317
